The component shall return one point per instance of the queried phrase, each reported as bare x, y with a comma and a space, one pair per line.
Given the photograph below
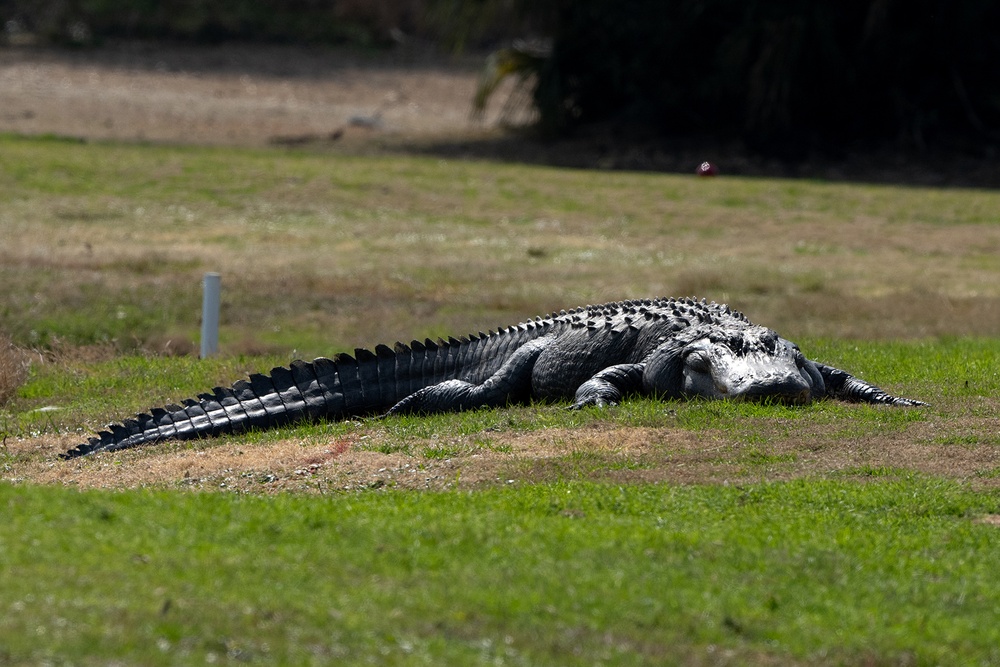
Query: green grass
898, 572
82, 391
319, 251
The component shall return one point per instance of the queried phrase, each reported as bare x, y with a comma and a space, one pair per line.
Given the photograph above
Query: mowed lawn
811, 572
649, 533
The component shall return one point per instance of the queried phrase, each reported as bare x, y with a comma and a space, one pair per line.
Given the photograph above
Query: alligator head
752, 362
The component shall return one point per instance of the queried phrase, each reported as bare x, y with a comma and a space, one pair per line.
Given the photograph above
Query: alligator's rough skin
596, 355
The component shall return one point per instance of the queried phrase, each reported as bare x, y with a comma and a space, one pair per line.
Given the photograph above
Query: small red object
707, 169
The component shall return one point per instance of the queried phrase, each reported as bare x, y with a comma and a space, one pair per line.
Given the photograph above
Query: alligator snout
790, 390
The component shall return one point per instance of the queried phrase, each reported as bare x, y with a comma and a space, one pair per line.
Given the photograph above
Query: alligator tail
335, 388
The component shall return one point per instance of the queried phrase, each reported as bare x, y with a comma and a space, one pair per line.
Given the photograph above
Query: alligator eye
698, 362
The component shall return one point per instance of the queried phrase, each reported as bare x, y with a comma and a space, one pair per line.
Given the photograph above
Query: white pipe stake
211, 298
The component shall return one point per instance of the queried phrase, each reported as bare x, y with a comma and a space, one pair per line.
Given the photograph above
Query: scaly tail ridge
324, 388
337, 388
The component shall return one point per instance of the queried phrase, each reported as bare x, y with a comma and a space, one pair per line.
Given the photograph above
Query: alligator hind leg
510, 384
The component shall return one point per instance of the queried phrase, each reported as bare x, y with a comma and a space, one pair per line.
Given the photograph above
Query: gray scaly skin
597, 355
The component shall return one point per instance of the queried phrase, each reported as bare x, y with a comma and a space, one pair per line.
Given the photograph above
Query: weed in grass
877, 471
492, 444
968, 439
870, 421
576, 464
629, 464
588, 462
754, 456
441, 452
702, 415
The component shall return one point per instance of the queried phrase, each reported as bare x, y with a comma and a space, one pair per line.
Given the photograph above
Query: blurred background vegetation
786, 77
453, 24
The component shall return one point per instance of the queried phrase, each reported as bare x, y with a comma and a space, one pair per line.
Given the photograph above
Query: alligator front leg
510, 384
841, 384
609, 386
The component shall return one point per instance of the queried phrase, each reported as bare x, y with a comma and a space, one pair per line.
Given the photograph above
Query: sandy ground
245, 95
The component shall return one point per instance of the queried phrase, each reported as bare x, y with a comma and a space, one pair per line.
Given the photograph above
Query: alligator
595, 356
